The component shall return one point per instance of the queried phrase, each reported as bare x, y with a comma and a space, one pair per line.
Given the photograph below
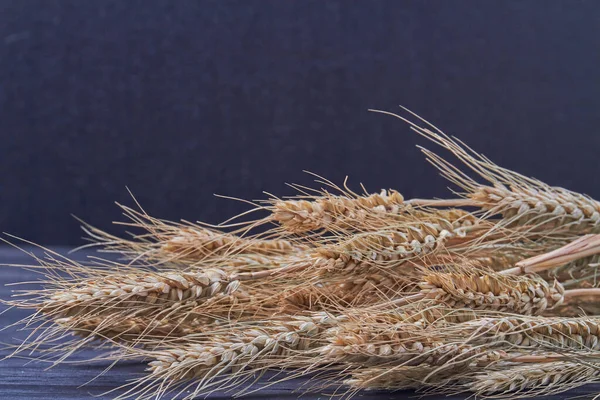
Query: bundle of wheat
478, 293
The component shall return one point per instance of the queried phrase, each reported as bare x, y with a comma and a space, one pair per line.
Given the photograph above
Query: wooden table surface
25, 379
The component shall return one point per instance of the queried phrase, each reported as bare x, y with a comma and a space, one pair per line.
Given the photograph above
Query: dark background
182, 99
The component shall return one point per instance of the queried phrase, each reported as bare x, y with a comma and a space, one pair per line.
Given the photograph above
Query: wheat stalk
582, 272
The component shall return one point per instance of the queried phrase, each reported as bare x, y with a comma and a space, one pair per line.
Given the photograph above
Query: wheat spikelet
251, 303
358, 344
358, 254
327, 284
347, 283
236, 353
358, 348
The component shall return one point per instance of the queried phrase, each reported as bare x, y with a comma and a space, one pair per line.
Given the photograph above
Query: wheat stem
585, 246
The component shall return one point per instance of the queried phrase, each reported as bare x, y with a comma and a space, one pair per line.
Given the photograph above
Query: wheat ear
359, 252
401, 346
165, 242
330, 212
401, 377
408, 241
549, 333
222, 361
528, 294
135, 293
193, 244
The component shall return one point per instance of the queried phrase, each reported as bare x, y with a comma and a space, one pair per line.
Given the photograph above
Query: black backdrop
182, 99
